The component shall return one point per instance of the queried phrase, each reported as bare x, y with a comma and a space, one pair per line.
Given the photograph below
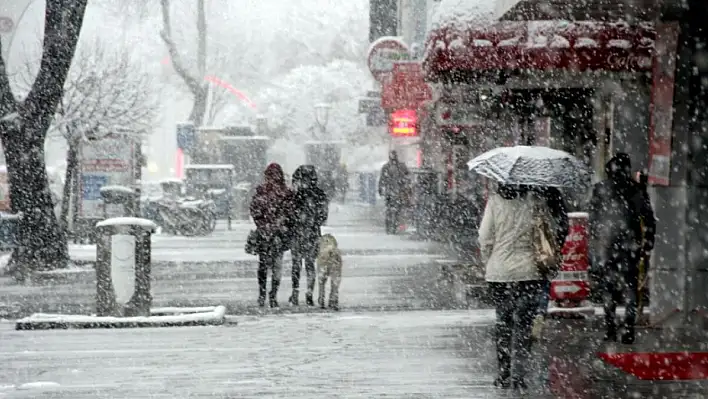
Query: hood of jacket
509, 191
618, 170
305, 176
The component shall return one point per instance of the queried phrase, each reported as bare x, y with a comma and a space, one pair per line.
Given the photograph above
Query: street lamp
322, 116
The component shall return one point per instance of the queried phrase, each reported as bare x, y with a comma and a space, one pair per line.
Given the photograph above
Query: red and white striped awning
540, 45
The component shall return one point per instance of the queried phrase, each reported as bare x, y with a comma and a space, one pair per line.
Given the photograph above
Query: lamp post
322, 116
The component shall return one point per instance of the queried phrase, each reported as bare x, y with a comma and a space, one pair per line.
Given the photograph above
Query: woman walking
272, 212
507, 247
310, 213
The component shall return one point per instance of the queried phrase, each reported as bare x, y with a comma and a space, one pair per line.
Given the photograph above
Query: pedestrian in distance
309, 214
617, 208
272, 212
506, 238
394, 184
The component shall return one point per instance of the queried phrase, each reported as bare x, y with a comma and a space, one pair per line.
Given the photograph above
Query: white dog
329, 266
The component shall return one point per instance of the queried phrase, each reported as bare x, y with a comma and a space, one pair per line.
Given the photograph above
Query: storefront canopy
539, 45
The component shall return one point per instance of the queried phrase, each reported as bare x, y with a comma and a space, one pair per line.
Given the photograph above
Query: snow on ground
211, 316
224, 245
396, 354
4, 261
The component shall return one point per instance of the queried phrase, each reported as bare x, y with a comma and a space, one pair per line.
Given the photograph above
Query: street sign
375, 118
367, 105
104, 162
6, 24
186, 136
383, 53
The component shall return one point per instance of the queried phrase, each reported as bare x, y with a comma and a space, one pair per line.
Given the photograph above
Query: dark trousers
516, 305
274, 263
393, 216
309, 258
619, 286
545, 297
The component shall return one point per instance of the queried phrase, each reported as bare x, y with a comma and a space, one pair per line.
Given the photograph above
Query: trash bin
123, 267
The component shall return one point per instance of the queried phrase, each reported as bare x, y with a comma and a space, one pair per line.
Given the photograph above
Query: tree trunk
69, 176
42, 244
199, 108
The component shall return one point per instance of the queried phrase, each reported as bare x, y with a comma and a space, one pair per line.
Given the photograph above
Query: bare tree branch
7, 101
105, 91
201, 38
62, 26
166, 35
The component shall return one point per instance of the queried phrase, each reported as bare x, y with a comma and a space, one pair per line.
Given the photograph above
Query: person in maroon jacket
272, 212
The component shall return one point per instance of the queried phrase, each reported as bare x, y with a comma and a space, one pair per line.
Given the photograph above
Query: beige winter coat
505, 239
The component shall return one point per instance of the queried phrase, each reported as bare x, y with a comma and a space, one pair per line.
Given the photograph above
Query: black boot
262, 280
308, 299
274, 294
610, 333
628, 337
503, 382
261, 293
519, 384
294, 298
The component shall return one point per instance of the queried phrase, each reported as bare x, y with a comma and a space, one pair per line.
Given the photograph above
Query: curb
160, 317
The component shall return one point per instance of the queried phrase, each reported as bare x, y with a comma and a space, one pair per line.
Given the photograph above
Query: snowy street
401, 333
380, 273
402, 354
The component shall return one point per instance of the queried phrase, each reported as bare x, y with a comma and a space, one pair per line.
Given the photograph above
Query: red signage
403, 123
516, 45
662, 102
407, 88
572, 281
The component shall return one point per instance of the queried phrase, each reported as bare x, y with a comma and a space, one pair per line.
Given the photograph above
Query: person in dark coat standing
393, 186
617, 208
272, 212
309, 214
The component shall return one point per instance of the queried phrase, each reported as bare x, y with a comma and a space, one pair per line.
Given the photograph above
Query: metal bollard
123, 267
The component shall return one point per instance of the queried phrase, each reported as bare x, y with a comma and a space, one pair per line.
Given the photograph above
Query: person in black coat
617, 238
310, 213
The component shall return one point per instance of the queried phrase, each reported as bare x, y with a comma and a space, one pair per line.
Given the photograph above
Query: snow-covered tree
291, 107
23, 128
106, 92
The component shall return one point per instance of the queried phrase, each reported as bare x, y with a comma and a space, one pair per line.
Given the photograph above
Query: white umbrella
532, 166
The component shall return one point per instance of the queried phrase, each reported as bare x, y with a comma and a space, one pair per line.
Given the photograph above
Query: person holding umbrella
518, 244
